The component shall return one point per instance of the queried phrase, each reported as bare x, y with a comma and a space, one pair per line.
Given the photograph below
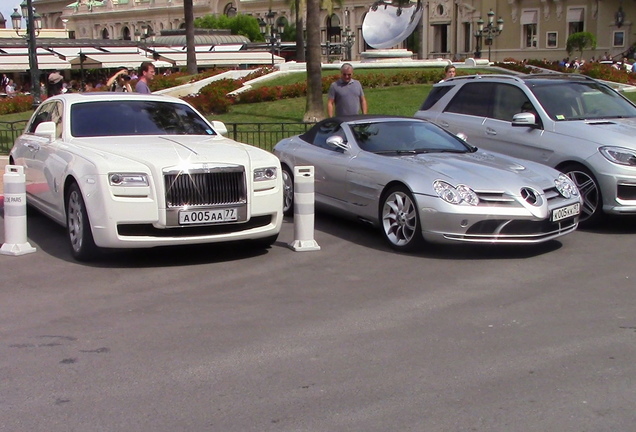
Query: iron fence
262, 135
9, 131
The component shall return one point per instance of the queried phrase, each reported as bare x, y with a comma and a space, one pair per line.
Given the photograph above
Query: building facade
532, 29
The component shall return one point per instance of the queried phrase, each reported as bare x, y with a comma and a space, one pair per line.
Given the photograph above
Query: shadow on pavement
613, 224
50, 237
367, 236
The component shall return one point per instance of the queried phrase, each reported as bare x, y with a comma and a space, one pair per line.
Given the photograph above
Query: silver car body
353, 181
575, 118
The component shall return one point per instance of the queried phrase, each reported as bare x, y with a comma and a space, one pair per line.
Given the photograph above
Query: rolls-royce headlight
619, 155
263, 174
128, 179
455, 195
566, 186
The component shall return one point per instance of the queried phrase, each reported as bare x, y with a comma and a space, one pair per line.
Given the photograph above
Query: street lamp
619, 16
143, 36
34, 25
274, 37
348, 40
348, 37
488, 33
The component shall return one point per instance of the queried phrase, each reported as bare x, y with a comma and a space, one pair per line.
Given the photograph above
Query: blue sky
6, 7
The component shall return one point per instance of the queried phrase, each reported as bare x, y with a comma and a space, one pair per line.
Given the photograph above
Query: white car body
231, 206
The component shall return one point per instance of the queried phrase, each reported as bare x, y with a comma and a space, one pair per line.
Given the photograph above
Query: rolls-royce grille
205, 189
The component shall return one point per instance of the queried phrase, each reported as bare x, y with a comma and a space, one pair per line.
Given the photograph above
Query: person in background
10, 89
73, 87
4, 82
55, 84
346, 94
120, 82
146, 74
449, 72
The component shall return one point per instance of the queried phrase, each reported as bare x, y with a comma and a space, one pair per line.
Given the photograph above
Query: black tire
400, 220
78, 227
592, 210
288, 192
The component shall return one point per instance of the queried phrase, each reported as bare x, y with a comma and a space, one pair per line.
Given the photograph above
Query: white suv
573, 123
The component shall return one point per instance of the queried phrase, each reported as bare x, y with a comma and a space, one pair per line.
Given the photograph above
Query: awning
20, 63
529, 17
113, 61
235, 58
575, 15
227, 48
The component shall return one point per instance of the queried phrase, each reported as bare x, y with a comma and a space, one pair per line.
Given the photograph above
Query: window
619, 39
434, 96
530, 35
318, 135
43, 115
115, 118
575, 20
552, 40
508, 101
467, 36
51, 111
529, 20
473, 99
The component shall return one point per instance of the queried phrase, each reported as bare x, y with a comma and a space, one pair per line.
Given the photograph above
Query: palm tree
191, 58
300, 38
315, 109
297, 7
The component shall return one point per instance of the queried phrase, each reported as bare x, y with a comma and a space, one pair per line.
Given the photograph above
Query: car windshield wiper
398, 152
418, 151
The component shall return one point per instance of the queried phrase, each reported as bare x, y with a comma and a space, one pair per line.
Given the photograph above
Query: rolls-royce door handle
490, 131
32, 146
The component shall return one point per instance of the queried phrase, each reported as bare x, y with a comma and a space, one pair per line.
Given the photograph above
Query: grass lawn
398, 100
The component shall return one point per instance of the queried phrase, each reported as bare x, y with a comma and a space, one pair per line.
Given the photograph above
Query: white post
15, 213
304, 210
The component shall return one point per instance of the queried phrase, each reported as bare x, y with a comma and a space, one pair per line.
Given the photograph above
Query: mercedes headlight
566, 186
128, 179
264, 174
619, 155
455, 194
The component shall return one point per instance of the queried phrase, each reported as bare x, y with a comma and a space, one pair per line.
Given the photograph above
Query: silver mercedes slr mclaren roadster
418, 182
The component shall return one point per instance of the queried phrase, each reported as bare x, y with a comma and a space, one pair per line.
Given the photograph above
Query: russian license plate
566, 212
187, 217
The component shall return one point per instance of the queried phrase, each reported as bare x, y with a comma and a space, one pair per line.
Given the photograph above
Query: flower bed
16, 104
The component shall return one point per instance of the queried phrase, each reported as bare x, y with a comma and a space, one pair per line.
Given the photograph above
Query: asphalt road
353, 337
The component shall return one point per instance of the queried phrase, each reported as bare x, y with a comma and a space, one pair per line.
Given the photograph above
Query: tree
244, 25
300, 38
314, 109
191, 58
580, 41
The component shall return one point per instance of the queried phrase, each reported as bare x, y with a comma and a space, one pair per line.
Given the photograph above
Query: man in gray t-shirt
346, 94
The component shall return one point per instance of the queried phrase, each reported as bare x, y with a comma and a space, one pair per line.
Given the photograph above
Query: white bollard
15, 213
304, 210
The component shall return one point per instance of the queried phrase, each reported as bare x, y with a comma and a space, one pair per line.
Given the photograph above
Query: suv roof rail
478, 76
558, 76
